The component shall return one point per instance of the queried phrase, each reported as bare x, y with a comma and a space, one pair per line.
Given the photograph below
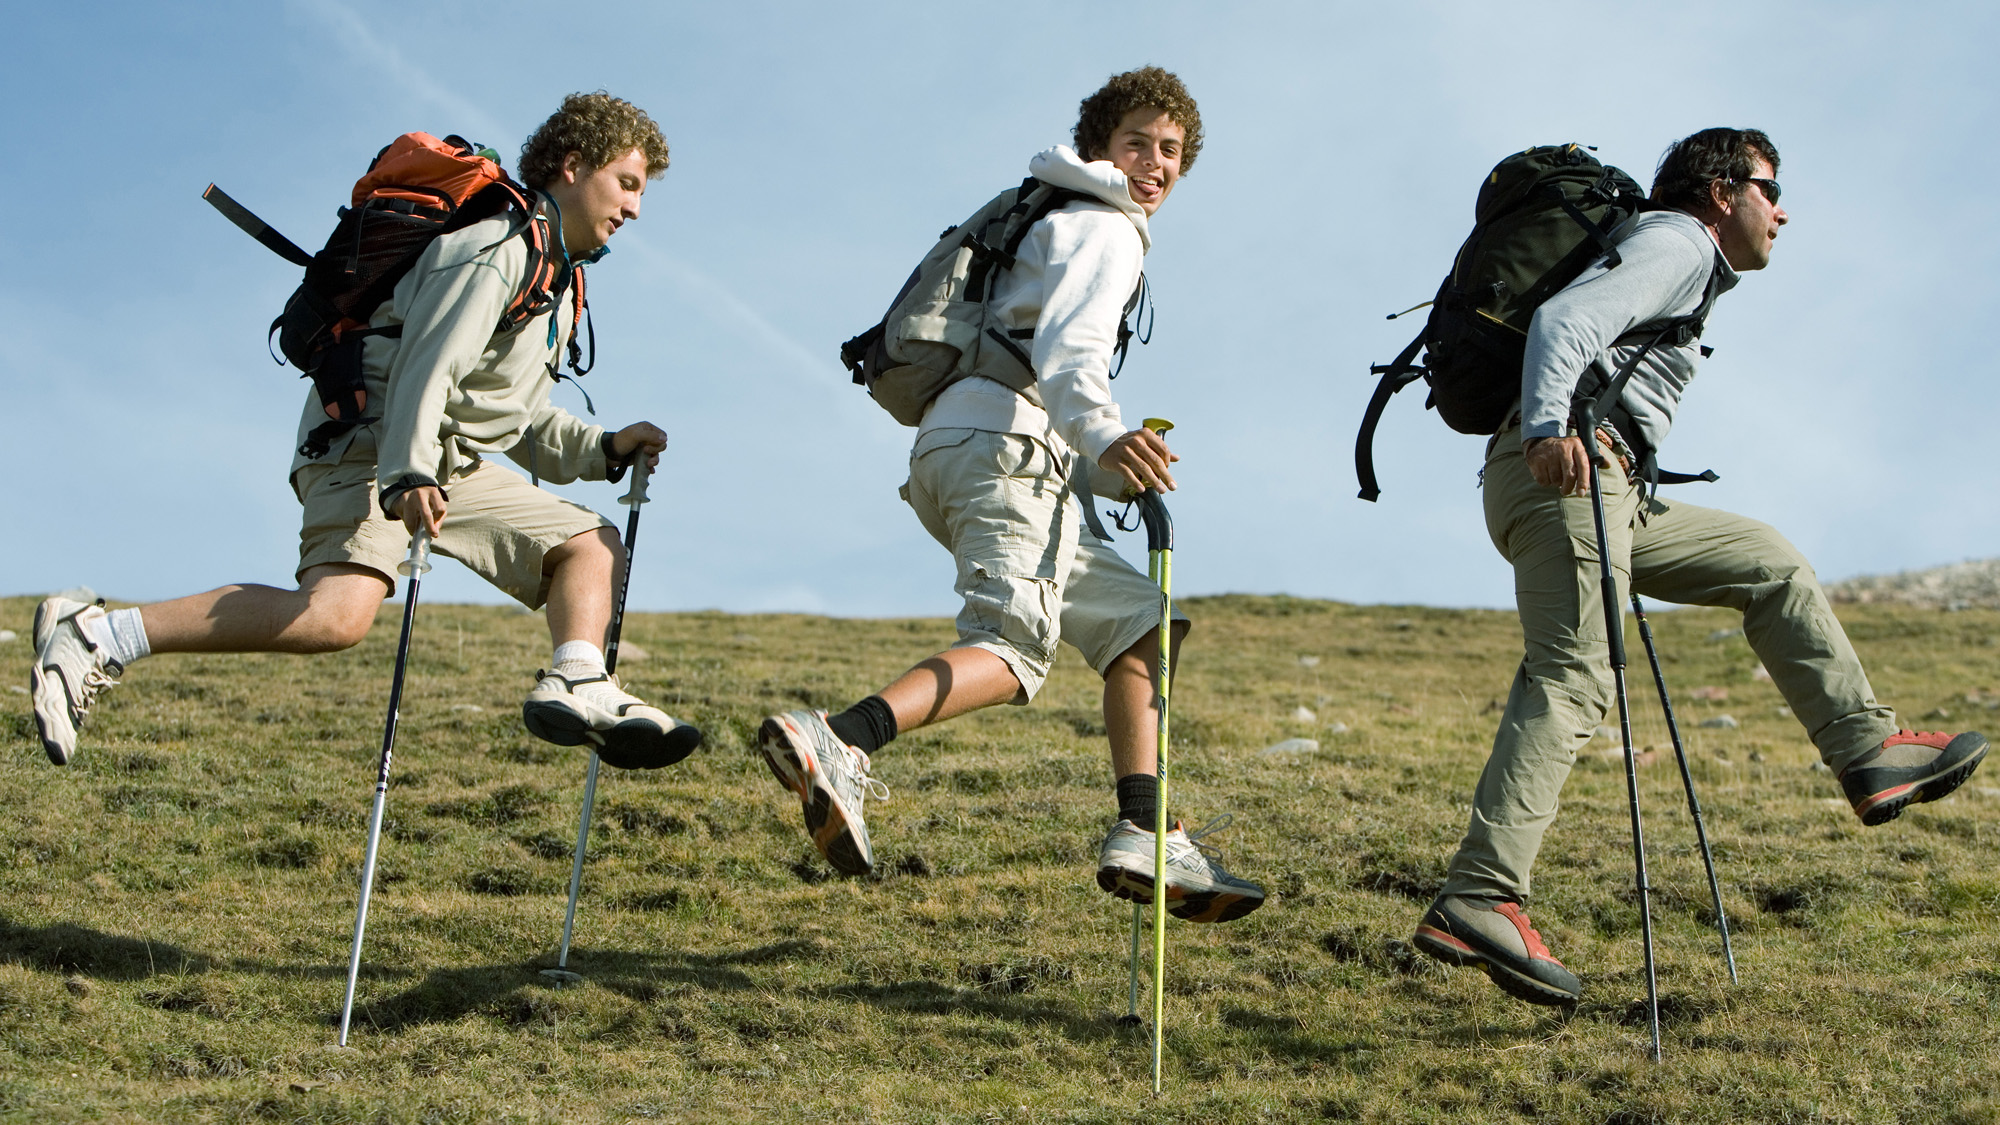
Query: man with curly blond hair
453, 390
993, 477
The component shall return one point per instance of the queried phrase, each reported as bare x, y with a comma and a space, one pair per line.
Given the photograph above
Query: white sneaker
831, 780
1199, 889
69, 673
627, 732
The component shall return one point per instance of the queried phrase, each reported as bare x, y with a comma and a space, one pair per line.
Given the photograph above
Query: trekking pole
632, 499
1614, 636
1160, 564
413, 568
1687, 779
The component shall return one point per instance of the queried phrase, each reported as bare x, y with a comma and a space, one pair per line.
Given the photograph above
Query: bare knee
596, 548
339, 609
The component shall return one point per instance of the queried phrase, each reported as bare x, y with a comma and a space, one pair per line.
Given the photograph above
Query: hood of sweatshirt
1062, 167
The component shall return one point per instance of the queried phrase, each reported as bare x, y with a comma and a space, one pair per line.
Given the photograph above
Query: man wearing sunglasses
1714, 215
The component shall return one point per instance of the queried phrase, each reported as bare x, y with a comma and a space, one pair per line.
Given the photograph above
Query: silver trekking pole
413, 568
1614, 636
632, 499
1687, 779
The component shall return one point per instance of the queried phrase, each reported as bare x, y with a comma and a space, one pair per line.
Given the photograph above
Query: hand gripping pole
412, 567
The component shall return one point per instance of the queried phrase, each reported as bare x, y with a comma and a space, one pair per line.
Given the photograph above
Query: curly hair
599, 127
1692, 163
1149, 86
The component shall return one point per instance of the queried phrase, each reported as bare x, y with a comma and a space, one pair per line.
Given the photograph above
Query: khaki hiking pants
1563, 689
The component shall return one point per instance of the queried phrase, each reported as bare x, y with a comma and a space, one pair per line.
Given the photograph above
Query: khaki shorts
1027, 576
496, 523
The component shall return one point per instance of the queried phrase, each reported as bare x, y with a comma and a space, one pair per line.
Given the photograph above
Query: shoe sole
1441, 945
46, 621
553, 722
826, 819
1189, 906
1889, 804
642, 745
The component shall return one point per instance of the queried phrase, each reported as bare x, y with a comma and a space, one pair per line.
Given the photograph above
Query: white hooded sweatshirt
1071, 278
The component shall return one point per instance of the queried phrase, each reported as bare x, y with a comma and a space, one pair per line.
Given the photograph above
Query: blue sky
818, 148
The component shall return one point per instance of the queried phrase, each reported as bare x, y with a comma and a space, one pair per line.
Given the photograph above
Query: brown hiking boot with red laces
1910, 767
1494, 934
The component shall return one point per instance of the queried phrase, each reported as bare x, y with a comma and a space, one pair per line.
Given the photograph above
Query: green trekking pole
1160, 565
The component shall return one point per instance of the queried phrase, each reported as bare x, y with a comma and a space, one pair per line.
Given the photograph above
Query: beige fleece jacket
450, 390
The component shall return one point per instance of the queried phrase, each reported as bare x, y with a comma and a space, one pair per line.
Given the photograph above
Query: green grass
175, 906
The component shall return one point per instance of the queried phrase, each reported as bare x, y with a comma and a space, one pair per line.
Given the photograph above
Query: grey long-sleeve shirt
1664, 262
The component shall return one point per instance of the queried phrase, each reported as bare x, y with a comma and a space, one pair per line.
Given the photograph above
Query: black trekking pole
632, 499
1687, 779
1614, 636
413, 568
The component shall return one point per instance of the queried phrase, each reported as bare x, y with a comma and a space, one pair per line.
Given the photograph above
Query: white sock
578, 660
121, 633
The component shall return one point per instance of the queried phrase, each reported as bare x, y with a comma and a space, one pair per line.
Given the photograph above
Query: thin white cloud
353, 32
715, 299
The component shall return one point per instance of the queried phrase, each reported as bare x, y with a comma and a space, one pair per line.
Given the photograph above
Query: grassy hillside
175, 906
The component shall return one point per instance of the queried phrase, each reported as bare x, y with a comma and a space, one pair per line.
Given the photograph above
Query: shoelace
1210, 852
853, 780
94, 681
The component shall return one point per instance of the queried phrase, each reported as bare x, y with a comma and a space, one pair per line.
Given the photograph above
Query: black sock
1139, 799
867, 726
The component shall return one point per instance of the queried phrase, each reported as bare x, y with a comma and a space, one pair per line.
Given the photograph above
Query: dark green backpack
1542, 216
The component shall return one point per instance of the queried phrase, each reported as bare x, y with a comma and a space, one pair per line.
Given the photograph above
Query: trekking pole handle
1158, 425
636, 495
419, 562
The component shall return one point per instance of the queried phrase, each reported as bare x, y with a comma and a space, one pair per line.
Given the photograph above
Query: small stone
744, 638
8, 636
1403, 626
17, 689
77, 986
629, 653
1308, 661
468, 708
1604, 732
1721, 722
1756, 755
1782, 711
1710, 693
1724, 634
1291, 746
1760, 675
1937, 713
1304, 714
1820, 767
1336, 727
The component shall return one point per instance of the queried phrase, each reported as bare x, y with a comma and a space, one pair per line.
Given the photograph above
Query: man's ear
572, 166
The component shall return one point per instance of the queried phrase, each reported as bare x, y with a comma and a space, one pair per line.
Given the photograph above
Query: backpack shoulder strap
1396, 374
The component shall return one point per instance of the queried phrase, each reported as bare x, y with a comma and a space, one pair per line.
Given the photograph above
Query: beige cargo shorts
497, 524
1028, 576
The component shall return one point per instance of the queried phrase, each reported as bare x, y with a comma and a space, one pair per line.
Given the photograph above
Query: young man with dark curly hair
1719, 216
453, 391
992, 478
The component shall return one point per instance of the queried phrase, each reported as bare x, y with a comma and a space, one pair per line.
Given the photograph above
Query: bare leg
1131, 721
331, 610
583, 572
949, 684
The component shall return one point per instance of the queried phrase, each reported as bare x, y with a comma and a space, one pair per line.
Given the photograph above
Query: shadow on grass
519, 993
66, 948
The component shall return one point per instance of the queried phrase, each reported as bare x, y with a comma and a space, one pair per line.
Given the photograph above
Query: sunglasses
1768, 187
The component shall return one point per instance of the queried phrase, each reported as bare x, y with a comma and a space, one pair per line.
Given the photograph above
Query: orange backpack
417, 188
